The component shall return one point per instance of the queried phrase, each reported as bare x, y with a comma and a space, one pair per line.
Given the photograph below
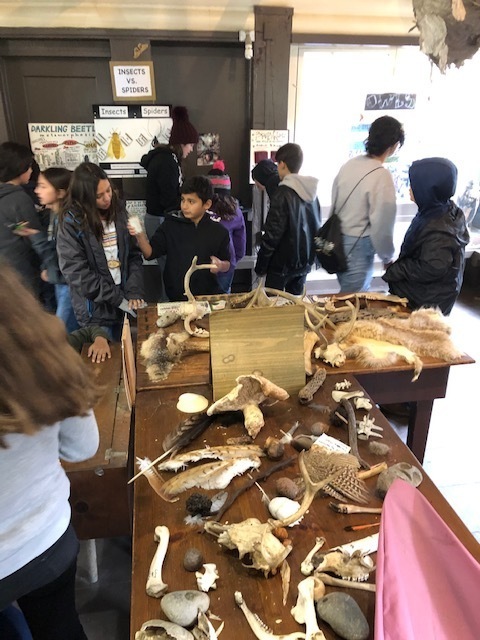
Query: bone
307, 565
156, 587
352, 508
207, 580
304, 610
259, 628
347, 395
373, 471
348, 584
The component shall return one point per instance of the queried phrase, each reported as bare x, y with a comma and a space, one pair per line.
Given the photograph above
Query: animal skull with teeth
253, 538
356, 566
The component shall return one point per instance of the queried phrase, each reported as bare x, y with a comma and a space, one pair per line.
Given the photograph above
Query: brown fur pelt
425, 332
158, 361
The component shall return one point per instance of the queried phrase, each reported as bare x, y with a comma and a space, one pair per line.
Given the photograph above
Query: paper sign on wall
264, 144
62, 144
132, 81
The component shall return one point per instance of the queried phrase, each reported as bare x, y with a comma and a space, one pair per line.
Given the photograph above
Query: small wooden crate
266, 340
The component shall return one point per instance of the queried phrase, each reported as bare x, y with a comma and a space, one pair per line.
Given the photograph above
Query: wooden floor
451, 460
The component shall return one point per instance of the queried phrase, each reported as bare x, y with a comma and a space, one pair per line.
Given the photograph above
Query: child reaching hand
187, 234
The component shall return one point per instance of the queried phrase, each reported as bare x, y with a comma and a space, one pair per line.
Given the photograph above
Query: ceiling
361, 17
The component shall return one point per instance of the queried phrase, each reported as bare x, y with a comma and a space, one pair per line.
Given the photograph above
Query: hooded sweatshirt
27, 254
294, 217
429, 269
164, 179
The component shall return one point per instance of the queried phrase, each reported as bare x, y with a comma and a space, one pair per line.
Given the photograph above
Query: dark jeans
45, 591
290, 284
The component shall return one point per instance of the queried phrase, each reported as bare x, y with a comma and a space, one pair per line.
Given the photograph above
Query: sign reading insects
124, 133
132, 81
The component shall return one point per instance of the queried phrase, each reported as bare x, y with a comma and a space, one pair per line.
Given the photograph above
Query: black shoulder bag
329, 242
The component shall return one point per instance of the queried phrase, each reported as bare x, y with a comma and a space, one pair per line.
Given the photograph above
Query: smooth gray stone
182, 607
402, 470
344, 615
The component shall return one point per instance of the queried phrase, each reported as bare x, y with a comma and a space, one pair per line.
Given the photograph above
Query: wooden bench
99, 492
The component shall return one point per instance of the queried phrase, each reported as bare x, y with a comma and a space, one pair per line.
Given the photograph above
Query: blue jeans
359, 273
225, 280
64, 307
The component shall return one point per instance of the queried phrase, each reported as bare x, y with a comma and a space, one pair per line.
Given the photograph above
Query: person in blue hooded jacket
429, 269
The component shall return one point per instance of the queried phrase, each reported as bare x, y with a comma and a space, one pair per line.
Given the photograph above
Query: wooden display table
156, 415
389, 385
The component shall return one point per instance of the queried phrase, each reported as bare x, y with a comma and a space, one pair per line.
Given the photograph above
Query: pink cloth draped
428, 584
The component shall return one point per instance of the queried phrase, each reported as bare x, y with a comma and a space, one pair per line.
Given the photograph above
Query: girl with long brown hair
99, 260
46, 400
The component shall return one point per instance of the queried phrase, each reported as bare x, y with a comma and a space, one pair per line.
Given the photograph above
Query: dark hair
58, 177
292, 155
15, 159
224, 205
176, 149
42, 379
384, 132
81, 198
199, 185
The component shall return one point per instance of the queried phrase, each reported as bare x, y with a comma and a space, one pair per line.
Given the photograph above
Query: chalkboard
390, 101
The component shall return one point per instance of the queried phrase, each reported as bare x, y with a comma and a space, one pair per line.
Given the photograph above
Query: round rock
344, 615
401, 470
193, 559
181, 607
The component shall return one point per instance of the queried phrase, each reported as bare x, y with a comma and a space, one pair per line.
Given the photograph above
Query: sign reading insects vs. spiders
124, 133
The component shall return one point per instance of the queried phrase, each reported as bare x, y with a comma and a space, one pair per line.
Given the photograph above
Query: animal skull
253, 538
333, 355
356, 566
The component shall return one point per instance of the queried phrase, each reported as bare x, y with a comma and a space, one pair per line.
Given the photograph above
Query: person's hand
136, 304
99, 351
44, 275
22, 229
134, 230
216, 264
387, 264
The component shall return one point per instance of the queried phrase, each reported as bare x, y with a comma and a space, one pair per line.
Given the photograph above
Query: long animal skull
356, 566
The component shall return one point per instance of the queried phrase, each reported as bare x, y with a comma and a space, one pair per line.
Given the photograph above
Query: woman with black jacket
96, 254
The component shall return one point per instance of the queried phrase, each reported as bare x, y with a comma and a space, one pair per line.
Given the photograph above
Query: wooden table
389, 385
156, 414
98, 494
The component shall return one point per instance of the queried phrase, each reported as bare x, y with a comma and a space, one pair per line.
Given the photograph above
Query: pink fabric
428, 584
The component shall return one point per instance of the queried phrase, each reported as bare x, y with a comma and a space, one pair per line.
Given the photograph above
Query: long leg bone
307, 565
259, 628
304, 610
156, 587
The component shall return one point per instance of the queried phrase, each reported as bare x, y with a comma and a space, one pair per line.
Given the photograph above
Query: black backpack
329, 242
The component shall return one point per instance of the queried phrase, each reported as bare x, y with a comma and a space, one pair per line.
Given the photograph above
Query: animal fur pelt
424, 332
